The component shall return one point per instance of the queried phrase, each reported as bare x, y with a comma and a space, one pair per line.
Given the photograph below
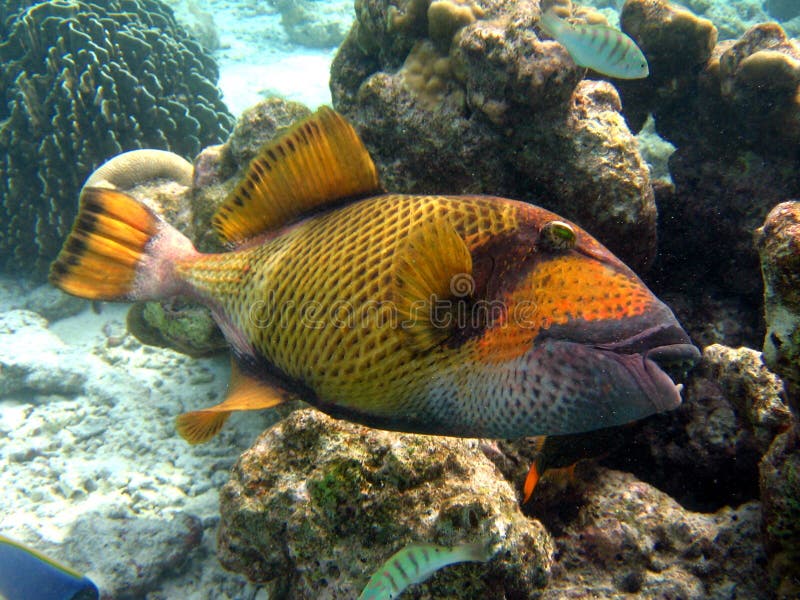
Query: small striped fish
600, 48
415, 563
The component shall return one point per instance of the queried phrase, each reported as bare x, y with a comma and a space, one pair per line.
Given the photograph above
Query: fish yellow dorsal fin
432, 268
244, 393
318, 161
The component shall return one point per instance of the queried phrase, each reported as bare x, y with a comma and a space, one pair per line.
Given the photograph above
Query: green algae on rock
316, 505
185, 327
82, 82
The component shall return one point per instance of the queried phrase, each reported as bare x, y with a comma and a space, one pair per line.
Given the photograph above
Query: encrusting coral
82, 82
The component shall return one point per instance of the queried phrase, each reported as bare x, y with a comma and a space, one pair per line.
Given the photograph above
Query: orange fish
471, 316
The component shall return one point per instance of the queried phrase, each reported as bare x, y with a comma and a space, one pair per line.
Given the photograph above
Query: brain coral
82, 82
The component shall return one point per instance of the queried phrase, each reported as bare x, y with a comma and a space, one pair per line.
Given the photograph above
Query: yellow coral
426, 73
770, 69
410, 16
446, 17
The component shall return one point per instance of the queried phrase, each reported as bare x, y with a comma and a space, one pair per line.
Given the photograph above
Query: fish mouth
656, 357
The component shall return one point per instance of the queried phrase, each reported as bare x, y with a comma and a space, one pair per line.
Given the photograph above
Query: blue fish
26, 574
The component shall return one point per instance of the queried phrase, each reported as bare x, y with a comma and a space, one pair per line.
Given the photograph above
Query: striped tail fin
119, 249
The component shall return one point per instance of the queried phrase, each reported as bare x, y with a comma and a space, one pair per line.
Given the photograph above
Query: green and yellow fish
415, 563
603, 49
471, 316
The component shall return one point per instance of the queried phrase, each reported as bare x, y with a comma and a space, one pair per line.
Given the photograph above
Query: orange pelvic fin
244, 393
318, 161
433, 265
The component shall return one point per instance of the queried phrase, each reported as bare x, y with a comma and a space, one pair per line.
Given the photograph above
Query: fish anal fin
318, 161
244, 393
431, 267
530, 481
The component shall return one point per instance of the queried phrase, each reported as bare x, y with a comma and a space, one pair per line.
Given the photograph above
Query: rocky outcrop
502, 110
317, 505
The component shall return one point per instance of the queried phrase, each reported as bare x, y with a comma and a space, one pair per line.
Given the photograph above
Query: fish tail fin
551, 23
479, 551
119, 249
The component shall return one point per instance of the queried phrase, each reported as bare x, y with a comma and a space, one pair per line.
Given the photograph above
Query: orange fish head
582, 336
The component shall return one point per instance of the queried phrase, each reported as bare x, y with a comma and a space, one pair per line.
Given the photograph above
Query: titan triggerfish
471, 316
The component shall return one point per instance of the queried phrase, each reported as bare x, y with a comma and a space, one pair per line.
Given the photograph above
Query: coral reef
502, 111
732, 110
778, 243
82, 82
705, 453
317, 505
630, 538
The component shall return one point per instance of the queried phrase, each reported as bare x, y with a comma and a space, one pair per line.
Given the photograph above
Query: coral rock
489, 107
96, 542
315, 24
780, 494
34, 361
631, 538
754, 391
317, 505
187, 328
677, 45
705, 453
778, 243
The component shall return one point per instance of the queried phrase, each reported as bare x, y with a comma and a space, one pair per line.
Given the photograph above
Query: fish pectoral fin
318, 161
244, 393
432, 270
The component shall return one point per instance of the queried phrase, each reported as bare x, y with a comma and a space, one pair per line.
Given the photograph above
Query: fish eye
557, 235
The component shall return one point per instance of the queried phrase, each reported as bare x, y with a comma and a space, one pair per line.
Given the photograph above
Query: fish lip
666, 335
656, 357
